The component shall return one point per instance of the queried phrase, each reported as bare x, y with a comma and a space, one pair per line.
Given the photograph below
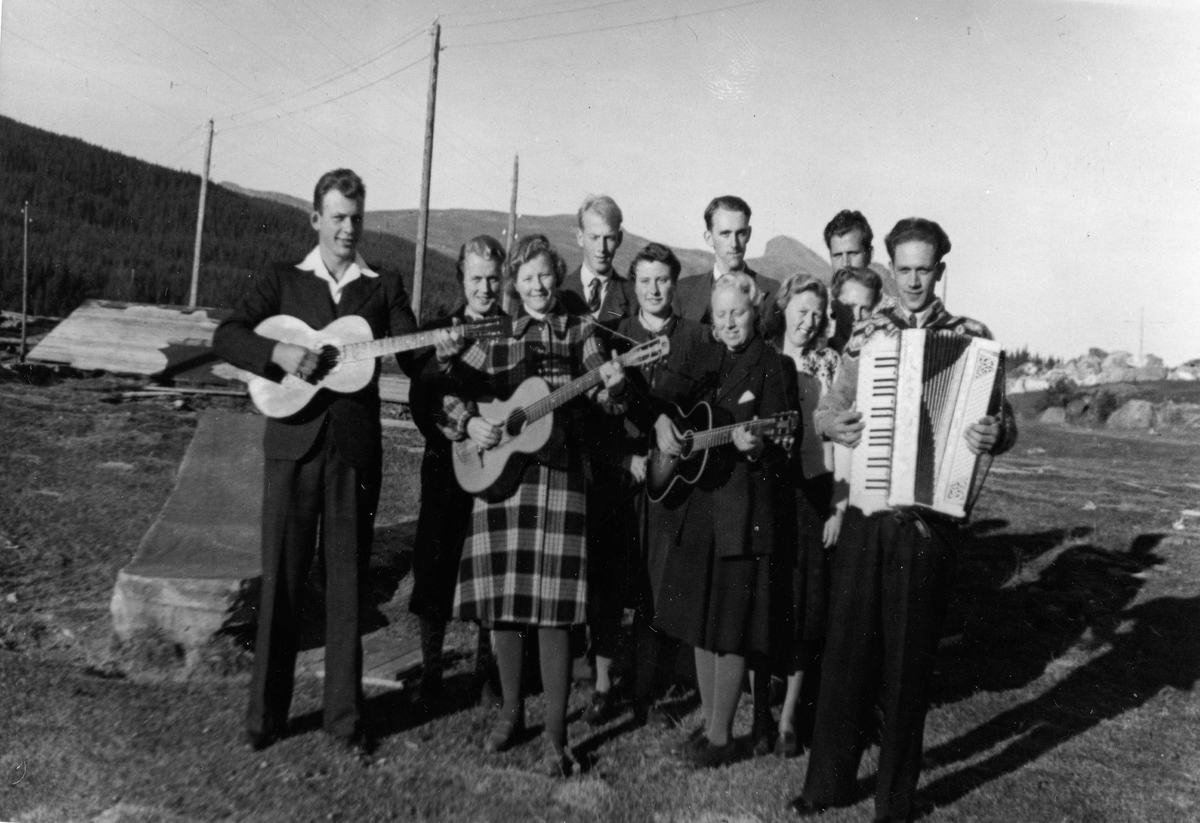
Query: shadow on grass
1076, 599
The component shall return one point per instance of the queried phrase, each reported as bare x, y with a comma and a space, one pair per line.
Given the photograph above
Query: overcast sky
1056, 142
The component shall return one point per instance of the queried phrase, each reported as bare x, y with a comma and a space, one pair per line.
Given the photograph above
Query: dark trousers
614, 575
442, 526
892, 575
320, 491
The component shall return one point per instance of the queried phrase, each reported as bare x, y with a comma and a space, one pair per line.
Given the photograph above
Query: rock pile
1097, 368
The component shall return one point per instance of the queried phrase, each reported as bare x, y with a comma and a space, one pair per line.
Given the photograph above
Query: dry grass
1072, 694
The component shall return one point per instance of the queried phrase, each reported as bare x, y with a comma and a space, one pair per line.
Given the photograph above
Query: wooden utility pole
506, 295
24, 280
423, 214
200, 221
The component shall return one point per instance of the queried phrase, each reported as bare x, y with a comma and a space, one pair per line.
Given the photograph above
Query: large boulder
1054, 416
1135, 414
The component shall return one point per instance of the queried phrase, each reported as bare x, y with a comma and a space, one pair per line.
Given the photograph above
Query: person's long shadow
1151, 646
1023, 600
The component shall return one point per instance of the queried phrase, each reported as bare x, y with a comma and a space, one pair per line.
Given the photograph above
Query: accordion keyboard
871, 462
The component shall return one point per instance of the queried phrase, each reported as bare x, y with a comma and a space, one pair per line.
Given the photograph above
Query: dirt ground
1066, 687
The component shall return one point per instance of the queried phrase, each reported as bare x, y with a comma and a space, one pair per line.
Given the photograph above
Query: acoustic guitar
526, 421
664, 472
347, 356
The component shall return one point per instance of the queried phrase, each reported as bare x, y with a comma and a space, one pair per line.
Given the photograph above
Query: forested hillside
104, 225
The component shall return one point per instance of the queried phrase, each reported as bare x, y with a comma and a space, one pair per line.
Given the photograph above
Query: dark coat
745, 495
353, 418
693, 295
619, 300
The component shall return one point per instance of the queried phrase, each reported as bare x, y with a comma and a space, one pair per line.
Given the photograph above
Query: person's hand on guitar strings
748, 442
449, 343
298, 361
483, 432
982, 436
670, 441
613, 375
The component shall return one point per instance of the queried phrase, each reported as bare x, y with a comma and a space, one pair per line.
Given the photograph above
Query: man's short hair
532, 247
345, 181
483, 246
656, 253
846, 221
728, 202
602, 205
918, 228
867, 278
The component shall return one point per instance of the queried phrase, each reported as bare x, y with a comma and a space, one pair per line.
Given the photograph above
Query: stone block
197, 569
1054, 416
1135, 414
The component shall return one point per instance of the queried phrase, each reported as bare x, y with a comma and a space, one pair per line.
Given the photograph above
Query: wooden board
131, 338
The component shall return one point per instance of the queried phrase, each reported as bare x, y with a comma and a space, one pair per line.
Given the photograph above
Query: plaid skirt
525, 558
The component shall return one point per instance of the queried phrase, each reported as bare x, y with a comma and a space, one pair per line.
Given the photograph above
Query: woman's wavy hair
739, 283
797, 284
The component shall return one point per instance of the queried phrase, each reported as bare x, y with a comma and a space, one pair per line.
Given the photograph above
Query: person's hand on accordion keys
846, 428
983, 436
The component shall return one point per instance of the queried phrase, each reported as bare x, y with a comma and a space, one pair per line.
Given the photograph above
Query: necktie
594, 296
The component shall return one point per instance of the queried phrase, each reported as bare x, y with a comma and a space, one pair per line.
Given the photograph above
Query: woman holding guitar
524, 560
716, 589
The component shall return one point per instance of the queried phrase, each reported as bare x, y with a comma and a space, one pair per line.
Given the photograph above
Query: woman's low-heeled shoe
560, 765
786, 744
504, 734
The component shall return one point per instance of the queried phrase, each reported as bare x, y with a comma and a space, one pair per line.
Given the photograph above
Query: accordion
918, 392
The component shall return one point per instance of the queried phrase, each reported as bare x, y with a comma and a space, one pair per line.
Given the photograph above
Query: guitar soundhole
685, 447
515, 423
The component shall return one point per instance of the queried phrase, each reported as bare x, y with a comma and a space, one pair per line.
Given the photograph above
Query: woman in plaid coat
524, 561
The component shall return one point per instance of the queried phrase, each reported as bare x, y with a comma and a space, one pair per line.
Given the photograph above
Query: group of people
759, 565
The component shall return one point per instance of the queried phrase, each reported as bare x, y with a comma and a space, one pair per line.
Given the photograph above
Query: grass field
1068, 691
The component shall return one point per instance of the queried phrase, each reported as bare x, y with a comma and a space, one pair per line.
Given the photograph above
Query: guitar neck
724, 434
569, 392
391, 345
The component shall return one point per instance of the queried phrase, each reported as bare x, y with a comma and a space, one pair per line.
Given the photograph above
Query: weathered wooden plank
131, 338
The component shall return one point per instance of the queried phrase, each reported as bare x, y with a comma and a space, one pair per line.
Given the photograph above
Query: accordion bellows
918, 391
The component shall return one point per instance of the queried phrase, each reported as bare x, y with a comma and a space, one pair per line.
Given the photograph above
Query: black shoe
257, 741
357, 745
603, 708
803, 807
658, 717
710, 756
504, 734
787, 745
762, 737
695, 741
560, 765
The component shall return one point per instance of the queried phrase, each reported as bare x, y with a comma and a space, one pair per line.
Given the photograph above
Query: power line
505, 20
595, 30
375, 82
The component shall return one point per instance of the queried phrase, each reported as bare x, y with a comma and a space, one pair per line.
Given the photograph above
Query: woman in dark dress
716, 588
524, 563
446, 508
652, 389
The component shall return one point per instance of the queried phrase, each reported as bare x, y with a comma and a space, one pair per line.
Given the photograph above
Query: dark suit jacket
353, 419
693, 294
749, 499
619, 300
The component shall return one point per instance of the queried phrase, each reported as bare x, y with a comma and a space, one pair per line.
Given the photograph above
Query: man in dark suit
727, 232
893, 569
323, 464
595, 288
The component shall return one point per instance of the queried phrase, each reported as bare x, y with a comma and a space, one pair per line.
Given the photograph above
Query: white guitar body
479, 469
292, 394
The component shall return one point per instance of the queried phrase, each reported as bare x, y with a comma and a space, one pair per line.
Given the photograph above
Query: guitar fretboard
406, 342
721, 435
540, 408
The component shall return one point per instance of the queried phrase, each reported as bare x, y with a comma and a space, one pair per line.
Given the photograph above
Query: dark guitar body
668, 479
